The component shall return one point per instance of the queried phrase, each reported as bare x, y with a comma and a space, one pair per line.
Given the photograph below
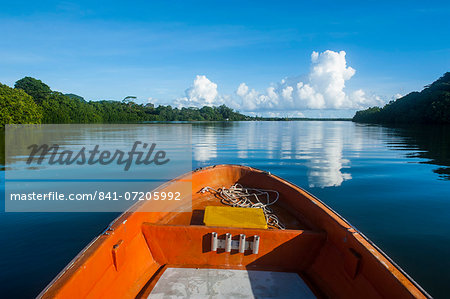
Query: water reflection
429, 142
325, 149
318, 146
326, 162
205, 144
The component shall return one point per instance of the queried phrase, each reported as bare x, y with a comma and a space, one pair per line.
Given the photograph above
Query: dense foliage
17, 107
32, 101
35, 88
431, 105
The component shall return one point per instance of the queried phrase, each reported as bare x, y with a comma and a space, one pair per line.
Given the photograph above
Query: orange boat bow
332, 257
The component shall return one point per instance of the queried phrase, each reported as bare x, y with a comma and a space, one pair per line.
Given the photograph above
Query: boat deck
214, 283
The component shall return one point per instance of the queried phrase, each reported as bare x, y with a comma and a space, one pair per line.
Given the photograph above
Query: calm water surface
391, 183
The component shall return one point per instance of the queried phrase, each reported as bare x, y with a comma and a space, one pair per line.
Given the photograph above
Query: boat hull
330, 255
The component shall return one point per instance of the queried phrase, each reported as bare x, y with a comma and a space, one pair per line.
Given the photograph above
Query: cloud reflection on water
315, 145
204, 143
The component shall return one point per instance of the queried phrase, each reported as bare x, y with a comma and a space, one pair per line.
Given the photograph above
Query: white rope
238, 196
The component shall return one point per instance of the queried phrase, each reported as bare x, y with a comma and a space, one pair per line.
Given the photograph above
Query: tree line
32, 102
431, 105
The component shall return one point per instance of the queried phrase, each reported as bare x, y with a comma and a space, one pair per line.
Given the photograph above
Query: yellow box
234, 217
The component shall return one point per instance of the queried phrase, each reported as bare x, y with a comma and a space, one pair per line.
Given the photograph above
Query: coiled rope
239, 196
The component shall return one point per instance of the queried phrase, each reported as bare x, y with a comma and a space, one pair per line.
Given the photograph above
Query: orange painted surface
288, 250
335, 259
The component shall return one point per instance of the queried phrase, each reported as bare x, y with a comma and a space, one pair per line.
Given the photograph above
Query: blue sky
162, 50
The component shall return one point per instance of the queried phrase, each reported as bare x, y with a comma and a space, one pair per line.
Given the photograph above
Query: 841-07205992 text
98, 195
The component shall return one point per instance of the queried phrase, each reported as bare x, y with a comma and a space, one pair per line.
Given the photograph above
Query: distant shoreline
430, 106
251, 120
202, 121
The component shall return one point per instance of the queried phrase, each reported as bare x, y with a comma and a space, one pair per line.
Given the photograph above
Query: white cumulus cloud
324, 88
202, 93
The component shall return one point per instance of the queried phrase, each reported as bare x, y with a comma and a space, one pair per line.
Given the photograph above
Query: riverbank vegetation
32, 101
431, 105
17, 107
